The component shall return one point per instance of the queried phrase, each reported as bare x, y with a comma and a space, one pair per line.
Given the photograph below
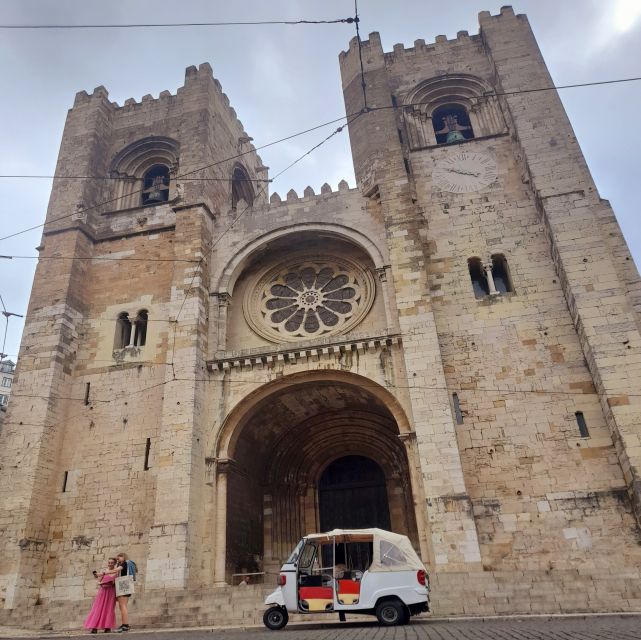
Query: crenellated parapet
373, 50
194, 77
309, 195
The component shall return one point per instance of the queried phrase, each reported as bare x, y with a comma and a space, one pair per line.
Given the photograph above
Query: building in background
7, 369
450, 350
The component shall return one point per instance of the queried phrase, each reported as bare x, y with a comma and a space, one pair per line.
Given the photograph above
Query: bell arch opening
311, 456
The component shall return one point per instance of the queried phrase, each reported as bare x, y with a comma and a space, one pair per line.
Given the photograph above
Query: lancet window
241, 187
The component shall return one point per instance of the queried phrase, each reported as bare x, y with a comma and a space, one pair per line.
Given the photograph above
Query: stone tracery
309, 297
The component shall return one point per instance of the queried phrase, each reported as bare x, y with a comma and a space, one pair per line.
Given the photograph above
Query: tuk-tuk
364, 571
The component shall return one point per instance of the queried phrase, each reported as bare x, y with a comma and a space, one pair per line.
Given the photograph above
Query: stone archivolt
309, 297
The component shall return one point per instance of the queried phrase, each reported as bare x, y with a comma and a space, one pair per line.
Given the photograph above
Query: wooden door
353, 495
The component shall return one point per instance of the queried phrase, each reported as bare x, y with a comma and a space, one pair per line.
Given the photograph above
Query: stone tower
450, 350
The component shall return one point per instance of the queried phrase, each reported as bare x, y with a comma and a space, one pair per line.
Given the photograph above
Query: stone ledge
315, 349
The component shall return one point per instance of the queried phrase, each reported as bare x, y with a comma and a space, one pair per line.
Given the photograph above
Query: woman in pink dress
103, 609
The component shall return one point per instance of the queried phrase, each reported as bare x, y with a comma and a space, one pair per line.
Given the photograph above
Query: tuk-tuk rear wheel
390, 613
275, 618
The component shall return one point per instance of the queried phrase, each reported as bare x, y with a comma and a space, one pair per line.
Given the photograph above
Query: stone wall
170, 451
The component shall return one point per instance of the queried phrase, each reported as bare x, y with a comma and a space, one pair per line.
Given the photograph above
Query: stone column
220, 546
487, 267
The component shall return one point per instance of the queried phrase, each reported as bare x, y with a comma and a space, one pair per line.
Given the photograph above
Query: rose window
309, 299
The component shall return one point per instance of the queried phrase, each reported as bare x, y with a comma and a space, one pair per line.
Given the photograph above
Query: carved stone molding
307, 297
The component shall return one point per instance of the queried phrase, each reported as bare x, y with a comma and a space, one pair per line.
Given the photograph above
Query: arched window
140, 333
141, 164
450, 108
155, 187
123, 331
501, 274
241, 187
451, 123
479, 280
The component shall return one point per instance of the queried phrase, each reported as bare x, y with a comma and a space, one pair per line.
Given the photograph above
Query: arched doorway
297, 442
352, 494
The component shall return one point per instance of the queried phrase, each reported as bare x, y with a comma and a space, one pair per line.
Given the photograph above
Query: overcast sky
283, 79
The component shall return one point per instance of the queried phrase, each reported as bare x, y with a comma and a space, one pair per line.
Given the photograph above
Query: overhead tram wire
97, 258
497, 94
360, 55
164, 25
293, 383
275, 142
184, 176
55, 177
178, 176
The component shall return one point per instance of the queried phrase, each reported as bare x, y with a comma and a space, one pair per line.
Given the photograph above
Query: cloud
625, 14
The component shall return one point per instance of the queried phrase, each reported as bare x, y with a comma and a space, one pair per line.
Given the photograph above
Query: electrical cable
164, 25
97, 258
56, 177
177, 177
227, 229
369, 109
293, 383
360, 55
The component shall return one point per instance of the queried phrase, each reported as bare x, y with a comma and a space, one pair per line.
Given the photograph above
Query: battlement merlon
198, 116
196, 79
374, 56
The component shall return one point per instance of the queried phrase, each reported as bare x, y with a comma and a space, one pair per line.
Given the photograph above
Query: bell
454, 136
156, 192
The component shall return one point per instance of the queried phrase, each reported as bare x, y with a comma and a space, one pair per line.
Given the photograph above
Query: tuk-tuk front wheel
390, 613
275, 618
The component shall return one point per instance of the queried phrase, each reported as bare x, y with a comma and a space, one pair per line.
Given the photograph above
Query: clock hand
464, 173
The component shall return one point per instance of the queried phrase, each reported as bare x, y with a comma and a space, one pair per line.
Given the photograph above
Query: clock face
464, 172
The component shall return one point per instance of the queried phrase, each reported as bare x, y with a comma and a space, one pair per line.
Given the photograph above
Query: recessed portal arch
277, 450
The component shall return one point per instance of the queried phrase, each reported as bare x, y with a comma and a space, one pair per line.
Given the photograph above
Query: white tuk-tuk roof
392, 551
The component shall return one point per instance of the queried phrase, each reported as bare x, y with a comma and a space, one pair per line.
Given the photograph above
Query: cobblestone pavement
590, 628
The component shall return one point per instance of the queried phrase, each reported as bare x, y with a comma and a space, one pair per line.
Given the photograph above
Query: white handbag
125, 586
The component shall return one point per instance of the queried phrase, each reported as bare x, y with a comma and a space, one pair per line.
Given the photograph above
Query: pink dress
103, 609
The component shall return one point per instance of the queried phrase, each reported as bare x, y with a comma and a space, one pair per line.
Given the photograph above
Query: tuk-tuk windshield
293, 556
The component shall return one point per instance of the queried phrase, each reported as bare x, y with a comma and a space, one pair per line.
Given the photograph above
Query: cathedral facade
450, 350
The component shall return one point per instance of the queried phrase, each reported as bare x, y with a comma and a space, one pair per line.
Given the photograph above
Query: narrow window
407, 166
501, 274
4, 400
394, 102
87, 387
6, 382
241, 188
457, 409
477, 275
140, 333
123, 331
451, 123
155, 185
147, 450
400, 136
583, 427
64, 481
